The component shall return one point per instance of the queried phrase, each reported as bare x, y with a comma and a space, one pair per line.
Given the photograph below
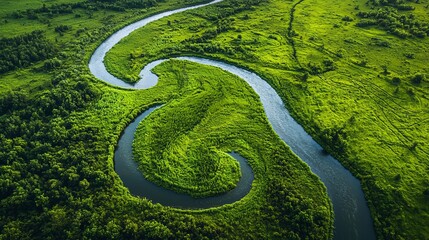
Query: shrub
396, 81
418, 78
62, 28
347, 19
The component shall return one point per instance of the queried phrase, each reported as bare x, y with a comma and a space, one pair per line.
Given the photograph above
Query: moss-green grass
378, 129
179, 145
384, 122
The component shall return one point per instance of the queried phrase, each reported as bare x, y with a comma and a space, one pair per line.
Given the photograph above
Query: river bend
352, 217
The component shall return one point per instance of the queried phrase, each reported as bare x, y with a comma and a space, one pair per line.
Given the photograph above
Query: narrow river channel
352, 217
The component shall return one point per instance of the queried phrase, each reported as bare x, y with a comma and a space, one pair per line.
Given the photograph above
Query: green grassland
60, 126
360, 91
382, 122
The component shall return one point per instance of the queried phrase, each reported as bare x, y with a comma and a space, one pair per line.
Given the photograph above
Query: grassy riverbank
357, 85
60, 126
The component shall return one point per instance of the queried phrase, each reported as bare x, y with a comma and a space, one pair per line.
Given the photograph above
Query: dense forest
22, 51
68, 8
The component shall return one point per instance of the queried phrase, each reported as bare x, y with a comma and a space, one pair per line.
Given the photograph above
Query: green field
360, 91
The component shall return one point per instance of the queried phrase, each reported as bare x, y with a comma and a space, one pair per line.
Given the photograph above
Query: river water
352, 217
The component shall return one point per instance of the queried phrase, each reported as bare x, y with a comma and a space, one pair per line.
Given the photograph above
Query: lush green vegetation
359, 89
179, 146
394, 17
183, 146
19, 52
60, 125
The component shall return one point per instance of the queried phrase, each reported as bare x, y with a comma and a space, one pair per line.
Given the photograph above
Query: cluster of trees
51, 11
319, 68
418, 78
121, 5
62, 28
214, 48
222, 25
288, 208
229, 8
334, 139
92, 5
388, 207
398, 4
391, 20
23, 50
202, 43
39, 169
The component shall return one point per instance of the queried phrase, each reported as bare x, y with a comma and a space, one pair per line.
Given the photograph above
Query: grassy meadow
361, 91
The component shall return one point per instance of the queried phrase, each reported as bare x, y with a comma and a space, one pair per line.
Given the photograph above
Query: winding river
352, 217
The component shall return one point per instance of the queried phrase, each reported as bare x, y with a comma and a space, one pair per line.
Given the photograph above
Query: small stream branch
290, 33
